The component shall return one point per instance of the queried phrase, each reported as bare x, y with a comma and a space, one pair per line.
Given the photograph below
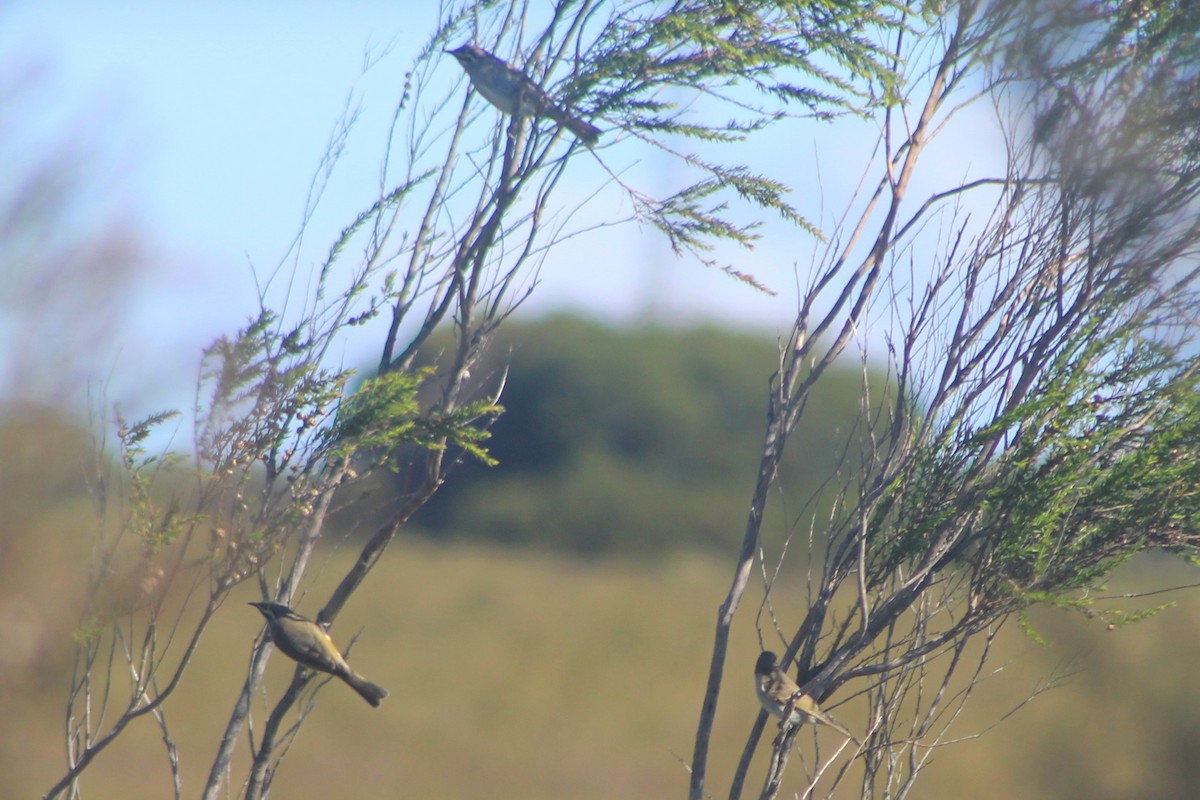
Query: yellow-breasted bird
307, 642
513, 92
778, 692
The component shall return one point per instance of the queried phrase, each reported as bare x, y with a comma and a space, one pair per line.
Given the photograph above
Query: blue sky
210, 119
214, 116
219, 111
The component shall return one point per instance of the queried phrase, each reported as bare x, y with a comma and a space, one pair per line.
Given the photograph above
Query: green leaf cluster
265, 396
384, 415
1039, 505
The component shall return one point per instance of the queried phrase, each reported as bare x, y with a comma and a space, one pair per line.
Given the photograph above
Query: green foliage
789, 51
1084, 605
133, 435
383, 411
1116, 617
1108, 474
457, 429
384, 414
89, 631
154, 528
1097, 464
260, 381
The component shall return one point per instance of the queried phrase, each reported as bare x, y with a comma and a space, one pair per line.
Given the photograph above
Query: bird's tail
840, 728
588, 133
371, 692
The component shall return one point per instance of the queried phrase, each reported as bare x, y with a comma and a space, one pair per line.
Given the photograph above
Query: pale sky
218, 114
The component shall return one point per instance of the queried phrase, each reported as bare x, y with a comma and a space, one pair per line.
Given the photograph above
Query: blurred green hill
637, 440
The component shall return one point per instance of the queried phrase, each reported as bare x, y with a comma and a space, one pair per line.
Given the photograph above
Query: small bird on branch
307, 643
513, 92
780, 696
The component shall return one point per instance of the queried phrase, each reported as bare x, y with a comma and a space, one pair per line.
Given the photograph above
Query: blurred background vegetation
569, 660
544, 626
637, 440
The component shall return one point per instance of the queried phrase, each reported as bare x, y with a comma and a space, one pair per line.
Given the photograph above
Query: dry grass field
521, 675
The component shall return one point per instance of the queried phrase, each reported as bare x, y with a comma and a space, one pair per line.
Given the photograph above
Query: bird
306, 642
513, 92
778, 693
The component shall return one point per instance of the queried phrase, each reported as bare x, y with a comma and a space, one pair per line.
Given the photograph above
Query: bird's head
273, 611
765, 663
468, 54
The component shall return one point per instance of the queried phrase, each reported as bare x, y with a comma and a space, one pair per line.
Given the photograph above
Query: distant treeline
638, 440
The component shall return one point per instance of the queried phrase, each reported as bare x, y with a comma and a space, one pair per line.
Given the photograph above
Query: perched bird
513, 92
308, 643
777, 692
